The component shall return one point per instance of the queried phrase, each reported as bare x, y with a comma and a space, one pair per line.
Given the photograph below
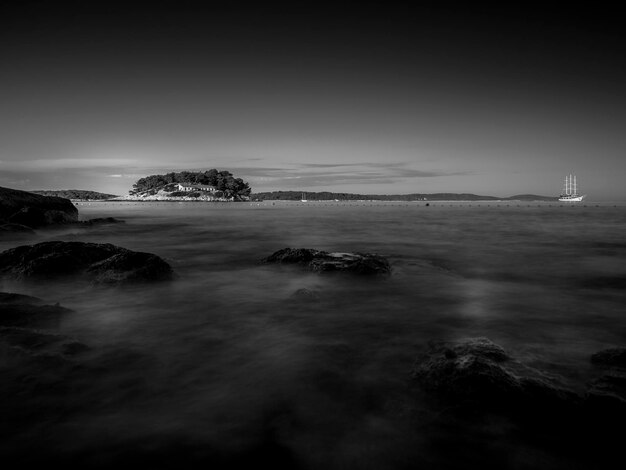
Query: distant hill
329, 196
75, 194
531, 197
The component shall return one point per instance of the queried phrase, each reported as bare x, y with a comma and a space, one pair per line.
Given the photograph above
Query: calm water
223, 363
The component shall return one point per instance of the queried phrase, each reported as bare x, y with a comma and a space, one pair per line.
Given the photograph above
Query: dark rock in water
478, 346
480, 373
615, 357
323, 261
306, 295
23, 310
33, 210
30, 341
130, 266
102, 221
607, 395
93, 261
292, 255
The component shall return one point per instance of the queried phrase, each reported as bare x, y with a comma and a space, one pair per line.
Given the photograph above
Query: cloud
62, 163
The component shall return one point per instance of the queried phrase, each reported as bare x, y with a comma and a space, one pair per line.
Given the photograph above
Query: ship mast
569, 193
575, 193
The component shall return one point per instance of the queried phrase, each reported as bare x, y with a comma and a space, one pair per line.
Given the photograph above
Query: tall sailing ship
570, 191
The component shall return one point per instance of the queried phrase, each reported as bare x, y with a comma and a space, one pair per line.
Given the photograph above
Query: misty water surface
223, 362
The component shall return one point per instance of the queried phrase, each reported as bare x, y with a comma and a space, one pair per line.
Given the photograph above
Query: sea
224, 365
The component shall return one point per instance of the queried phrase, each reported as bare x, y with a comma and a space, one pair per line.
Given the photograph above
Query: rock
32, 341
104, 263
479, 346
33, 210
479, 373
130, 266
29, 216
615, 357
306, 295
102, 221
23, 310
607, 396
322, 261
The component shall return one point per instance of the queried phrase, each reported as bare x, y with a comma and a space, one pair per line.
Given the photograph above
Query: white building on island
196, 187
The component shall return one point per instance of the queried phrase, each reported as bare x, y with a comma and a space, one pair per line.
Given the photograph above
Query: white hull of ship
571, 198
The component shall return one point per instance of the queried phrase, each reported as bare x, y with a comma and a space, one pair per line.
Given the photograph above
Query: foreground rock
607, 394
481, 374
323, 261
478, 398
23, 310
33, 210
100, 263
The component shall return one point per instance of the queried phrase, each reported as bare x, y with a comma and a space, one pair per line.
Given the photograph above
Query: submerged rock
101, 221
23, 310
323, 261
614, 357
480, 373
27, 341
33, 210
103, 263
607, 394
305, 295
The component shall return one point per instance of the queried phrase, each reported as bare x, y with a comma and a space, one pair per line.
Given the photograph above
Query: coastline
173, 199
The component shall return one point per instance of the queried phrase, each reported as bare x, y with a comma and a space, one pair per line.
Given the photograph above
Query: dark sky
355, 97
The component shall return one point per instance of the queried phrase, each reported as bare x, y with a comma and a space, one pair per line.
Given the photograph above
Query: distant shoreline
413, 197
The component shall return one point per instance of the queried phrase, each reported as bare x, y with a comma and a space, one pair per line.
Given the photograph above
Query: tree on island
224, 182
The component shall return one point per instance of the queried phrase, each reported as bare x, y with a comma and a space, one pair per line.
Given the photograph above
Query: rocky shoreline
165, 198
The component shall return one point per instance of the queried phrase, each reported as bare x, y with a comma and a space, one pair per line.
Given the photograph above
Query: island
210, 185
76, 194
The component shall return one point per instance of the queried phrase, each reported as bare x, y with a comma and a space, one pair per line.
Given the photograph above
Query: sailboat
570, 193
304, 197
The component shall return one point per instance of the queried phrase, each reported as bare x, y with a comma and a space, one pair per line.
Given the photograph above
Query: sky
360, 97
